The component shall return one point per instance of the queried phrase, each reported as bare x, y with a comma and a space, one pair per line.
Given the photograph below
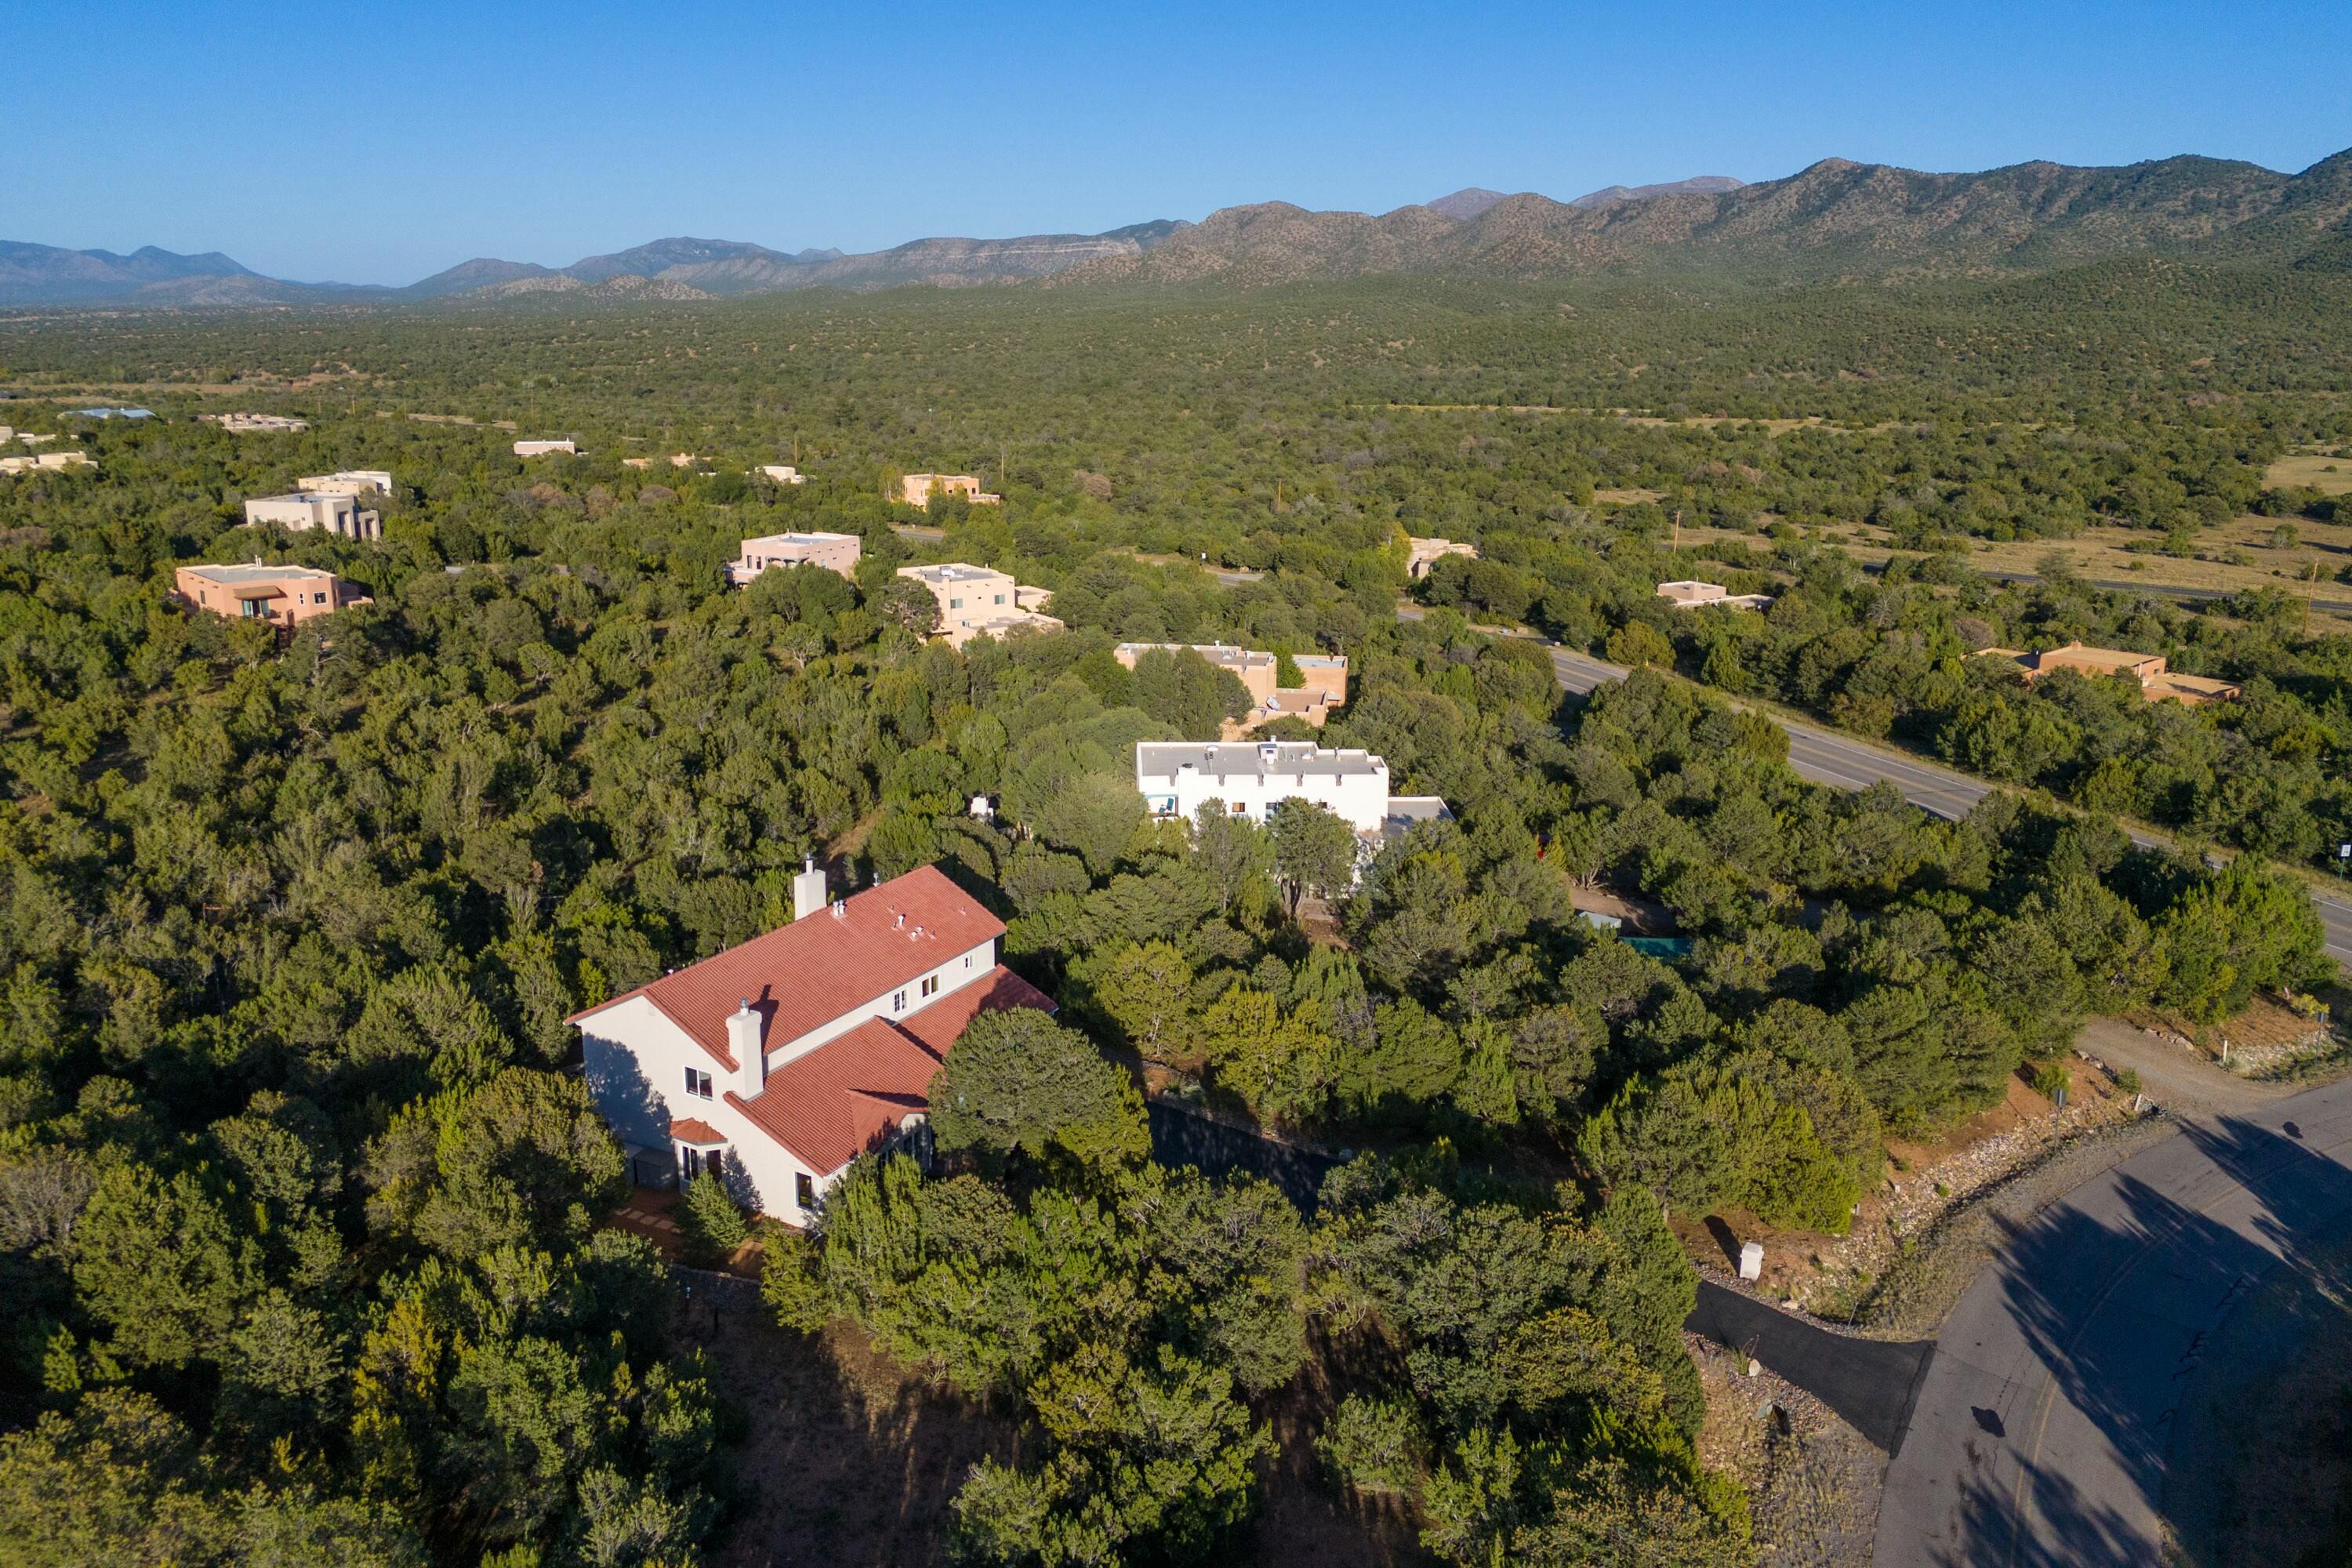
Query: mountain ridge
1834, 217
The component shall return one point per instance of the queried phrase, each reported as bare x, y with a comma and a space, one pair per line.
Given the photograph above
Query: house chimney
750, 1051
808, 889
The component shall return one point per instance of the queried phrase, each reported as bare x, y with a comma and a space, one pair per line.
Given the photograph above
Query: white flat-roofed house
545, 449
776, 1063
305, 511
833, 551
782, 473
1176, 778
348, 482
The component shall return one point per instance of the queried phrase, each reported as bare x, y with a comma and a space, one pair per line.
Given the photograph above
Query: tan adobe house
1420, 554
348, 483
2157, 683
917, 489
72, 457
284, 596
1324, 679
833, 551
774, 1064
1688, 593
979, 601
338, 513
250, 424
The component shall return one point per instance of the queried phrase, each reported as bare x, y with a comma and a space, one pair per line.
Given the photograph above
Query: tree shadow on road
2120, 1293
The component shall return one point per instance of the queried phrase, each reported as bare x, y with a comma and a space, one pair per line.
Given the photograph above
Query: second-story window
955, 604
898, 1001
930, 984
697, 1084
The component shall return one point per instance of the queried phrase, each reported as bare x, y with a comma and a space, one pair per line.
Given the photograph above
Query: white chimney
750, 1052
808, 889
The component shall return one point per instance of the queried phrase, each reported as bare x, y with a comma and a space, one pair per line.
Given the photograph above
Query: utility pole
1678, 530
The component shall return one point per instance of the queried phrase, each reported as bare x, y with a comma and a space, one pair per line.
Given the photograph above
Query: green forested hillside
299, 1196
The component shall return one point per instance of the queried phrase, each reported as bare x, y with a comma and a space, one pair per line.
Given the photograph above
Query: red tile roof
942, 1024
691, 1130
810, 971
845, 1097
851, 1093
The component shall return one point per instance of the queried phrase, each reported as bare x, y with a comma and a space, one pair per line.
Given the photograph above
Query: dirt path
2175, 1077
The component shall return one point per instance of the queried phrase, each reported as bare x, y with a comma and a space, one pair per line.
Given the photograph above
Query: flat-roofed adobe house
1689, 593
284, 596
1420, 554
2157, 683
777, 1063
917, 489
980, 601
833, 551
348, 483
338, 512
1323, 681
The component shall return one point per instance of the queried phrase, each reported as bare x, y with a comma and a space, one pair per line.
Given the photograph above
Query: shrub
1373, 1444
710, 1223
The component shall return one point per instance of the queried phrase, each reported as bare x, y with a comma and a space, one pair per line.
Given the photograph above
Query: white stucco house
777, 1063
1177, 777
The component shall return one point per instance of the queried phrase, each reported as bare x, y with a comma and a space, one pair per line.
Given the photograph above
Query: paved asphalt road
1868, 1383
1832, 759
2083, 1393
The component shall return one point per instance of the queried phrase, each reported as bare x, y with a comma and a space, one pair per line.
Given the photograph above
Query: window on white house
898, 1001
805, 1190
967, 961
697, 1084
931, 984
955, 604
999, 598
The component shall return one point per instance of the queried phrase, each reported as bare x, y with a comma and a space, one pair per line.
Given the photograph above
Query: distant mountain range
1834, 218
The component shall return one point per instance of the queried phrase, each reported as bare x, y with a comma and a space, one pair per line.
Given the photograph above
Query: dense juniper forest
302, 1200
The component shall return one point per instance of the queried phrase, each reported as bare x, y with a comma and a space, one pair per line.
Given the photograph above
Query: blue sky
374, 142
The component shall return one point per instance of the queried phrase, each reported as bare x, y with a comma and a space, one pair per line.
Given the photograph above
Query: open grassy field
2230, 557
2330, 473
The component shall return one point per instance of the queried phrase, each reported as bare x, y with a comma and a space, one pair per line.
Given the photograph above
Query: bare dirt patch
1813, 1481
852, 1462
847, 1462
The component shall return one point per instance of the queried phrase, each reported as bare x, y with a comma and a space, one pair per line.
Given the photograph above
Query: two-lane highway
1828, 758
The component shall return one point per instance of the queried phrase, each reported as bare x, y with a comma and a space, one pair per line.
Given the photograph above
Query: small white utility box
1752, 1261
